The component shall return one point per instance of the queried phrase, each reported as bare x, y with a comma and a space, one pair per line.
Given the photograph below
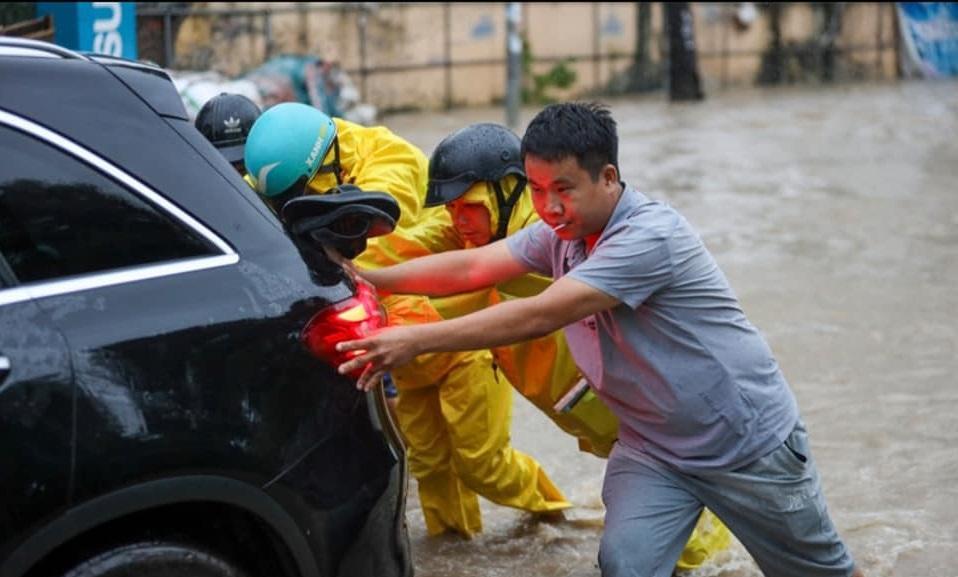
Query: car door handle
4, 367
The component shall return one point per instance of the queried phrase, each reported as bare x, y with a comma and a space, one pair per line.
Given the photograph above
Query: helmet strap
506, 204
277, 202
333, 166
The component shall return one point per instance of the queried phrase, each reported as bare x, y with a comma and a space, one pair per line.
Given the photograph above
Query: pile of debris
287, 78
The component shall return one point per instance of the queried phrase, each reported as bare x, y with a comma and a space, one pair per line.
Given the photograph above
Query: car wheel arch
95, 513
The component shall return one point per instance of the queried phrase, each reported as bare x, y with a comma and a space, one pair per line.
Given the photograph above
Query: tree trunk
684, 82
773, 60
642, 75
831, 28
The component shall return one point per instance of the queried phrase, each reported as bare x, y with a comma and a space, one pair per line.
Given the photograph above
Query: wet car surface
157, 401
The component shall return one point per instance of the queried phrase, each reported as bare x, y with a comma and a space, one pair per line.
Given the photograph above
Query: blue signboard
101, 27
930, 33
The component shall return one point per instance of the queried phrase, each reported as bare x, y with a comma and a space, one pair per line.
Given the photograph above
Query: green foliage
536, 87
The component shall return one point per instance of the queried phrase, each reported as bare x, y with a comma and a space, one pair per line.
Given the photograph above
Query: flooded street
834, 213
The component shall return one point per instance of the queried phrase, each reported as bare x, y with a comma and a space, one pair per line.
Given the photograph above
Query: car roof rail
14, 46
108, 60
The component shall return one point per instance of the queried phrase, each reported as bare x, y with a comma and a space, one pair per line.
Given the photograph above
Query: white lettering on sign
106, 31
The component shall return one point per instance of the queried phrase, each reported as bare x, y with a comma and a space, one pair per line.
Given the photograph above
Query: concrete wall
408, 45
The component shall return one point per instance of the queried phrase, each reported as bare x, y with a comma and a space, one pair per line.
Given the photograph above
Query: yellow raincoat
543, 370
453, 409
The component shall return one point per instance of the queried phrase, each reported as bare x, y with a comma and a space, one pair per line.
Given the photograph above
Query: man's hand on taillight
380, 353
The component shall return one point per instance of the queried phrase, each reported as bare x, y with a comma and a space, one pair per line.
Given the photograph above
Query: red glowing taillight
347, 320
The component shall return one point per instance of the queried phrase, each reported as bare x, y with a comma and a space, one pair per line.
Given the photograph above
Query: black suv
162, 411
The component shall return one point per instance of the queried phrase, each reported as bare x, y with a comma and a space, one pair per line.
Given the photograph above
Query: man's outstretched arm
565, 302
448, 273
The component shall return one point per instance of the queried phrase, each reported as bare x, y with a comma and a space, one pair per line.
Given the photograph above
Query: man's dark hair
584, 130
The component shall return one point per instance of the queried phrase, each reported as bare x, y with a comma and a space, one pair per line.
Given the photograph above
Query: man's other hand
387, 349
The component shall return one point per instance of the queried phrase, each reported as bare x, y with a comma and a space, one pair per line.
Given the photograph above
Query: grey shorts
774, 506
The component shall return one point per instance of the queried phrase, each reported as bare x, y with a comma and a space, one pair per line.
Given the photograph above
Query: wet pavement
834, 213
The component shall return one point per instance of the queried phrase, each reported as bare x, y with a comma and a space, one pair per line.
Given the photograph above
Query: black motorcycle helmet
225, 120
483, 152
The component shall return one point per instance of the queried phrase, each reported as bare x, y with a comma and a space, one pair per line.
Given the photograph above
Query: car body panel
36, 397
183, 380
155, 494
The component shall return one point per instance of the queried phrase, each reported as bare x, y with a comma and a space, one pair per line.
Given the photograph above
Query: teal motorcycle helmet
285, 149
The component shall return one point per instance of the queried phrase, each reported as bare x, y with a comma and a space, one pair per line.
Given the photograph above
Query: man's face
567, 199
472, 220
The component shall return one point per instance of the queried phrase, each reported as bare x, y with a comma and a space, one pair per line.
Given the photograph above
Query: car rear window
60, 217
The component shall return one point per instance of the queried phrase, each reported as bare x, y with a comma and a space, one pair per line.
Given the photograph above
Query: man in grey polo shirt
706, 417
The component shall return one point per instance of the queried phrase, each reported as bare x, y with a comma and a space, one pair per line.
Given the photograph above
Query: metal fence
395, 48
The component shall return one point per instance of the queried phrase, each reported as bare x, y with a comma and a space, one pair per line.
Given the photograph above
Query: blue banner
102, 27
930, 34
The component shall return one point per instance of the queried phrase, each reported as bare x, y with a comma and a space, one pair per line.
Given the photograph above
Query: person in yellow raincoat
478, 175
452, 408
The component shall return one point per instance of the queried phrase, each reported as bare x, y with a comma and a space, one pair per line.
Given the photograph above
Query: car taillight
347, 320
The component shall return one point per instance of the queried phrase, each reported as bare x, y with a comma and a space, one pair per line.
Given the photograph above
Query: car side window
60, 217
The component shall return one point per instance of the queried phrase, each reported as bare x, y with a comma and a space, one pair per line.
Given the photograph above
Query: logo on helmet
261, 177
317, 147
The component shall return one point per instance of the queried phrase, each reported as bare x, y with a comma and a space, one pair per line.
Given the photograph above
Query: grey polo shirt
692, 382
